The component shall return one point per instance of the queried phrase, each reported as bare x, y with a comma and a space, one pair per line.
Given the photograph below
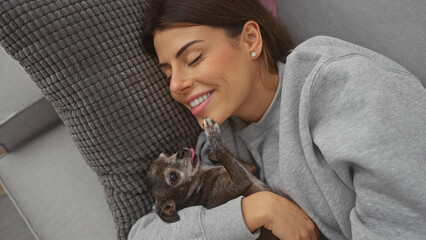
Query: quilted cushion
87, 59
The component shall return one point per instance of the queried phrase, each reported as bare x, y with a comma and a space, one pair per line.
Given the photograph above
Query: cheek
177, 98
174, 96
220, 63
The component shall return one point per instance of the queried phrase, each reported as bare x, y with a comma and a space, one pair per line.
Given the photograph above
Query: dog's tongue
192, 154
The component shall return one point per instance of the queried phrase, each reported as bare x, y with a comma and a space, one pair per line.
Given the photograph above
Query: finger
318, 233
315, 233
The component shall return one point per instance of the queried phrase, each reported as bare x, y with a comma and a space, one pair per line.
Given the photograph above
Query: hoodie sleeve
368, 122
222, 222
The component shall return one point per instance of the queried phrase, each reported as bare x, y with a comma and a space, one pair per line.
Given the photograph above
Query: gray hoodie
345, 137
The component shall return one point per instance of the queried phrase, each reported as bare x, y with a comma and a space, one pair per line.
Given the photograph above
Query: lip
192, 154
194, 158
200, 107
194, 161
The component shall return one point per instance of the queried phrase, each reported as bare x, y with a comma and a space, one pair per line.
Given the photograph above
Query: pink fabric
271, 5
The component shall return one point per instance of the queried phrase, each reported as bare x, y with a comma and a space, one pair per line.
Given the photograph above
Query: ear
252, 38
162, 155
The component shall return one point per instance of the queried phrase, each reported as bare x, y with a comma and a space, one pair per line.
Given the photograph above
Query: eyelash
190, 64
196, 59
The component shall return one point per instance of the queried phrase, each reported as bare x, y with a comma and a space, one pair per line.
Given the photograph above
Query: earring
253, 54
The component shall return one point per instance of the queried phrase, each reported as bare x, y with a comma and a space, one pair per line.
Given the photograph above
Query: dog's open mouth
194, 157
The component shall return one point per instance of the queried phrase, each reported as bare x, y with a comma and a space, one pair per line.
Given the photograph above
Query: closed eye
195, 60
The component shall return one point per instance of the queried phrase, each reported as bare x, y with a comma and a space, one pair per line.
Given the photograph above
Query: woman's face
210, 74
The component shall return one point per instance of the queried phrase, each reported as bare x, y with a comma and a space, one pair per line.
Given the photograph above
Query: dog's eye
173, 177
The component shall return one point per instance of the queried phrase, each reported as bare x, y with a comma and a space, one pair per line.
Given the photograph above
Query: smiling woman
323, 126
221, 59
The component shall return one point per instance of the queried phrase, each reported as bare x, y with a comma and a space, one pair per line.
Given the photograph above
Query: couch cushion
87, 59
395, 29
24, 111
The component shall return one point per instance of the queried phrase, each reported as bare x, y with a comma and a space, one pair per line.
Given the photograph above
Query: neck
260, 98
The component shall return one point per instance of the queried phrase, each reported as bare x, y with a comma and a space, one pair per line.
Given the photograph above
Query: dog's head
169, 181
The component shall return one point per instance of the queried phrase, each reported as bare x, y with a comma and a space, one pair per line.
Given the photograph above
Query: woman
338, 128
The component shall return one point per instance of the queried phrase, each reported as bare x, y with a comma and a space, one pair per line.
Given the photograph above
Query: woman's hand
284, 218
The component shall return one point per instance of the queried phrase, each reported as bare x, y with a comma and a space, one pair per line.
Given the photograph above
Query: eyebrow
181, 51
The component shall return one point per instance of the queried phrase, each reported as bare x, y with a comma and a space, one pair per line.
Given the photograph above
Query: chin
200, 122
217, 120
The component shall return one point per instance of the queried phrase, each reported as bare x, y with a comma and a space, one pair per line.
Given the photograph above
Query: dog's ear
167, 211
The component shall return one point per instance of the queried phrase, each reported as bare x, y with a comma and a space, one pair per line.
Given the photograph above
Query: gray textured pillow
87, 59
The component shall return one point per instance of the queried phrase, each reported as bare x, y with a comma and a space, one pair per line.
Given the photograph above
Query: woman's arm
278, 214
222, 222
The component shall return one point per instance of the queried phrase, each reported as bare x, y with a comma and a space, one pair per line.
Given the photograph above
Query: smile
199, 100
200, 103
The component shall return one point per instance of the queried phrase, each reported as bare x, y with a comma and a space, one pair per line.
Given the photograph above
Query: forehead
172, 39
162, 164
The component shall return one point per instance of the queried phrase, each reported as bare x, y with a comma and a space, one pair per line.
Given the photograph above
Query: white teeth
199, 100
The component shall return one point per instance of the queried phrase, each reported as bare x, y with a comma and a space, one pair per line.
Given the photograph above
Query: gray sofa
60, 197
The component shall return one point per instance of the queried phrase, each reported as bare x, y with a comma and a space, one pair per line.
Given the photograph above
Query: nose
180, 83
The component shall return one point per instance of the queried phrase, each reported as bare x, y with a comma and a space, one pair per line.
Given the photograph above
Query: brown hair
230, 15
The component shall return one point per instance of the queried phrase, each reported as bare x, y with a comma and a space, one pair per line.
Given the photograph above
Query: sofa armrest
24, 112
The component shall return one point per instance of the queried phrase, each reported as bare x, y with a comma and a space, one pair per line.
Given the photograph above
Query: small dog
179, 181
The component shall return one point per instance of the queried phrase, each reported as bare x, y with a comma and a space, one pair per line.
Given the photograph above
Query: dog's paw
211, 128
